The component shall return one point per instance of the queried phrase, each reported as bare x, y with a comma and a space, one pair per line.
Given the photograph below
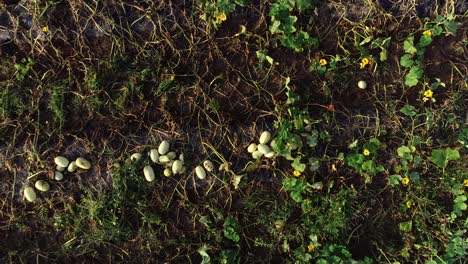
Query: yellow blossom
323, 62
428, 93
465, 183
45, 29
405, 181
365, 62
297, 173
171, 77
427, 33
220, 17
366, 152
310, 247
409, 204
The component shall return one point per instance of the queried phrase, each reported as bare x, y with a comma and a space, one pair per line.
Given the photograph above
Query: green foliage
215, 11
463, 137
118, 214
457, 248
23, 68
57, 100
413, 59
295, 130
231, 229
408, 110
284, 24
296, 186
441, 157
364, 162
337, 254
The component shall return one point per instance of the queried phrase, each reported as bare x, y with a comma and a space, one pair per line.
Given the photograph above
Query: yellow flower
45, 29
465, 183
409, 204
171, 77
323, 62
428, 93
366, 152
427, 33
310, 247
405, 181
365, 62
297, 173
220, 17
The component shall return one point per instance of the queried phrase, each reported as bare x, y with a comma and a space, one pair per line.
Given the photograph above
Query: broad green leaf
452, 154
441, 157
406, 61
368, 166
297, 165
394, 179
424, 41
408, 45
296, 196
451, 27
412, 78
408, 110
403, 150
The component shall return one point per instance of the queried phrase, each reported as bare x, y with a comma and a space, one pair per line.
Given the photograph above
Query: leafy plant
296, 187
231, 229
283, 24
23, 68
414, 53
441, 157
215, 11
457, 248
364, 162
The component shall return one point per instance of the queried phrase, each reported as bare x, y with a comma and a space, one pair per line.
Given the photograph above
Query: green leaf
408, 110
403, 150
406, 226
275, 26
368, 166
451, 27
353, 144
463, 137
312, 138
296, 196
366, 40
408, 45
303, 4
461, 206
460, 199
231, 229
297, 165
355, 160
394, 180
205, 257
406, 61
441, 157
383, 55
424, 41
412, 78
